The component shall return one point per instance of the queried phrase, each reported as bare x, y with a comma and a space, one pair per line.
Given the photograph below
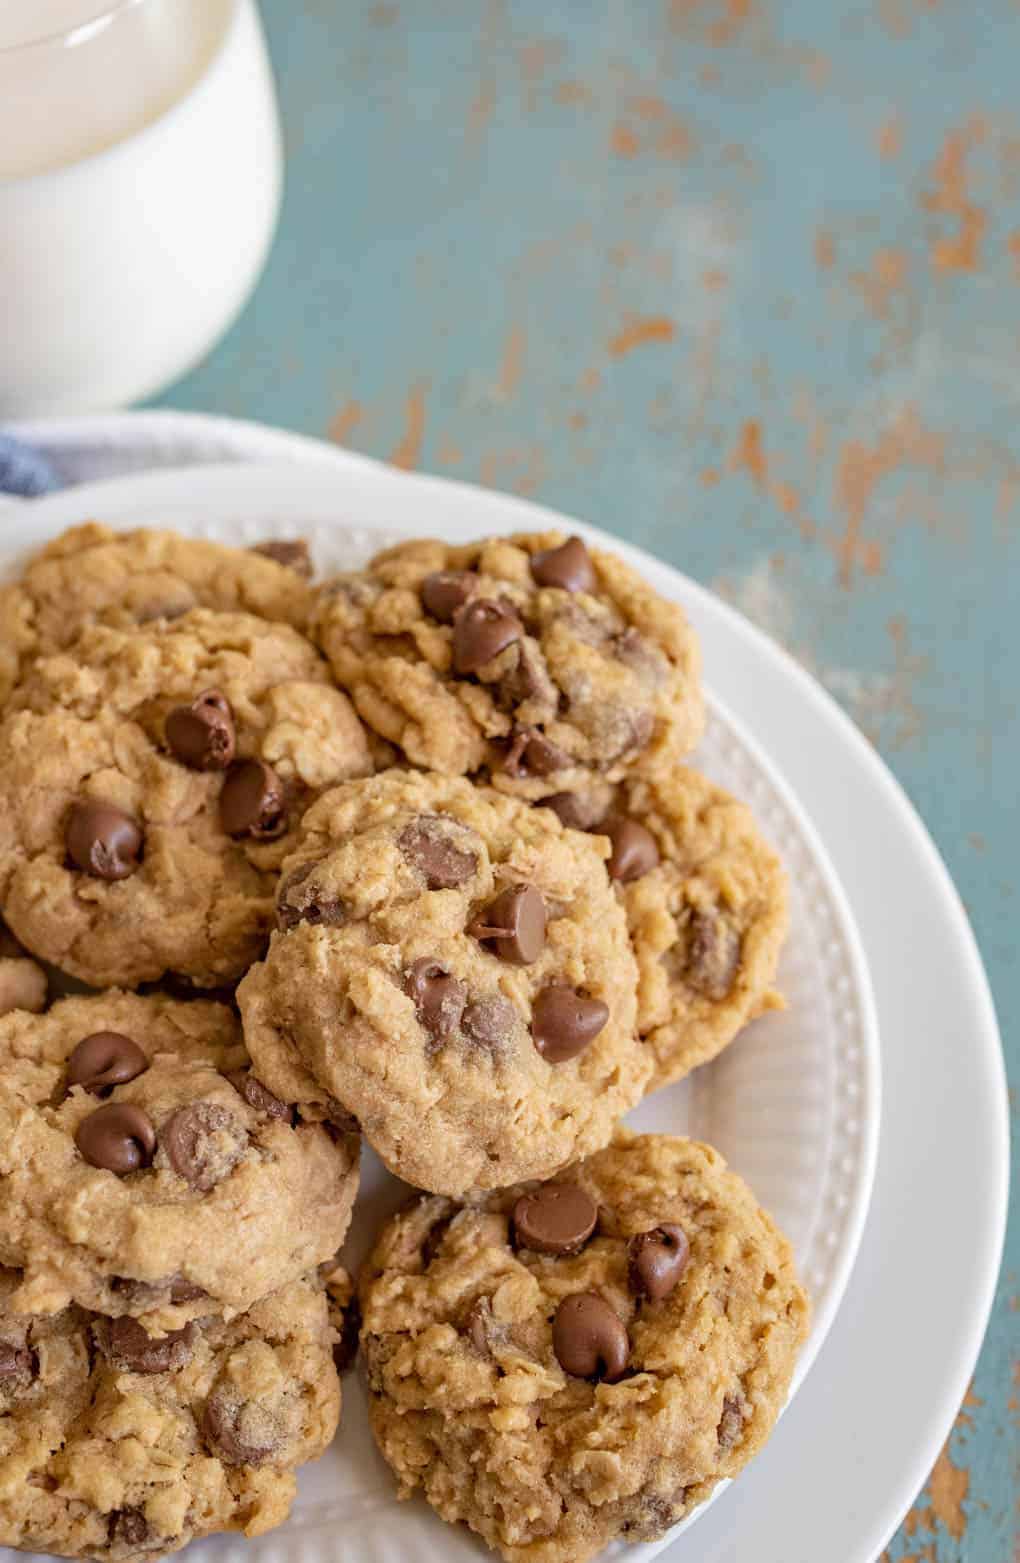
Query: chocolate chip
346, 1348
589, 1339
102, 840
252, 801
564, 1022
478, 1323
489, 1023
18, 1366
444, 591
259, 1096
438, 997
713, 956
428, 844
103, 1060
528, 679
127, 1528
184, 1291
635, 851
128, 1346
291, 552
572, 809
201, 735
298, 901
530, 753
515, 924
118, 1137
557, 1218
569, 566
240, 1432
203, 1143
435, 1238
481, 630
731, 1422
656, 1260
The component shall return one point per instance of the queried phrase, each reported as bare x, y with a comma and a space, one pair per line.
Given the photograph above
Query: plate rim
892, 796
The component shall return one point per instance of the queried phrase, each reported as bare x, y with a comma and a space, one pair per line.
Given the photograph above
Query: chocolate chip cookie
151, 781
92, 574
145, 1169
706, 901
562, 1365
452, 967
542, 662
118, 1445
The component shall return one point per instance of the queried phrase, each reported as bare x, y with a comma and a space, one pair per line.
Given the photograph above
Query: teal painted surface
740, 281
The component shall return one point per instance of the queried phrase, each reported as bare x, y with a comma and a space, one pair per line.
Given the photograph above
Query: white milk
139, 186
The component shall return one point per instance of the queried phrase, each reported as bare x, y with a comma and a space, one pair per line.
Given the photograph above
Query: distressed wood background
740, 280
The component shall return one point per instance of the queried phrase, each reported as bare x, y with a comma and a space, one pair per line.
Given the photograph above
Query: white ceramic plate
794, 1105
899, 1357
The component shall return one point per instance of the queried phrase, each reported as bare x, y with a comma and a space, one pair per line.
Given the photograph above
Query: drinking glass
140, 178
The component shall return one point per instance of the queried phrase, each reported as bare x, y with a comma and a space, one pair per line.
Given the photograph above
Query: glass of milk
140, 176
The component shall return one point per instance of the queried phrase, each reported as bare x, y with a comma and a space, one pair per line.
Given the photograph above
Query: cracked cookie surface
706, 902
192, 747
452, 967
93, 574
555, 1401
145, 1169
120, 1446
530, 657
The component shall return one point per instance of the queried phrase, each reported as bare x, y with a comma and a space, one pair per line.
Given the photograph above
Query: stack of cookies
411, 855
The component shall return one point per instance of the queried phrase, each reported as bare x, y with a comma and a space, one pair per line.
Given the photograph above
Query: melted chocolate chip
439, 998
103, 1060
259, 1096
300, 900
569, 567
118, 1137
635, 852
557, 1218
18, 1366
127, 1528
444, 591
127, 1345
430, 845
589, 1339
481, 630
102, 840
291, 552
201, 735
514, 923
570, 808
530, 753
731, 1422
240, 1432
713, 956
656, 1260
252, 801
184, 1291
564, 1022
489, 1023
203, 1143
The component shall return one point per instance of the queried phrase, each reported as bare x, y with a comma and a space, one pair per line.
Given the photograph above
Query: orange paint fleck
748, 454
577, 420
949, 1485
648, 328
887, 277
786, 498
736, 14
623, 141
513, 361
347, 419
859, 471
448, 454
1013, 246
536, 57
825, 249
714, 279
480, 112
649, 108
590, 379
890, 139
572, 92
959, 251
711, 476
407, 453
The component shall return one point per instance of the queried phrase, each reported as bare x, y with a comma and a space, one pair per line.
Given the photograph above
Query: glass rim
106, 13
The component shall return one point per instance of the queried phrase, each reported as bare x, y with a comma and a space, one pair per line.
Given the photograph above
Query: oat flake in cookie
118, 1446
532, 657
452, 968
145, 1169
559, 1396
151, 782
94, 575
